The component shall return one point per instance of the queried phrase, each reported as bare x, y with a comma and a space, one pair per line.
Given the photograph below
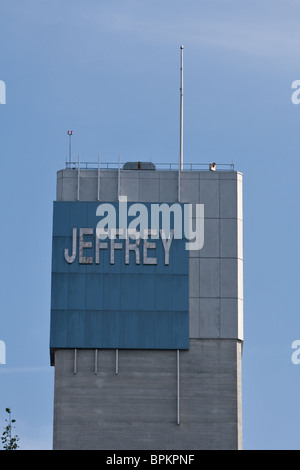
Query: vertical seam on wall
78, 180
199, 304
96, 362
219, 314
178, 386
117, 361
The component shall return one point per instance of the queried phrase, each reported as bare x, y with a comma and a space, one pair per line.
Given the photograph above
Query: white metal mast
181, 111
180, 165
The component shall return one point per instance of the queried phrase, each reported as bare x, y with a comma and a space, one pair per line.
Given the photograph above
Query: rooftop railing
74, 165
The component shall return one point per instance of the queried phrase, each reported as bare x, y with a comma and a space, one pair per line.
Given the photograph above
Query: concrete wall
136, 409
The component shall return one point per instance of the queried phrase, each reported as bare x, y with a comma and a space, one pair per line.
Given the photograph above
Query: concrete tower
146, 333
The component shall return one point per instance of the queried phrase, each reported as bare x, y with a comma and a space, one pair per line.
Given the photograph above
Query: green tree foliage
8, 440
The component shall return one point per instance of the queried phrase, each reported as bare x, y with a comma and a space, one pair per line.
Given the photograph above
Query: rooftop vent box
139, 166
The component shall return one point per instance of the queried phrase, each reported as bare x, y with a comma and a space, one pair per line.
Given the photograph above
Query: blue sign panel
121, 291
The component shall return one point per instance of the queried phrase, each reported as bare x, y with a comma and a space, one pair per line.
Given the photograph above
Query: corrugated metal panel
115, 305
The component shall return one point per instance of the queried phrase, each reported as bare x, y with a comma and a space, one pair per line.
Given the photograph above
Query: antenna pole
181, 111
70, 133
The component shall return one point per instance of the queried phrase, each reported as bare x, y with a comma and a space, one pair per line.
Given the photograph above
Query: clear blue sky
110, 72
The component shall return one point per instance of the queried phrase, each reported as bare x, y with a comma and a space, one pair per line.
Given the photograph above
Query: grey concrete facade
137, 407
